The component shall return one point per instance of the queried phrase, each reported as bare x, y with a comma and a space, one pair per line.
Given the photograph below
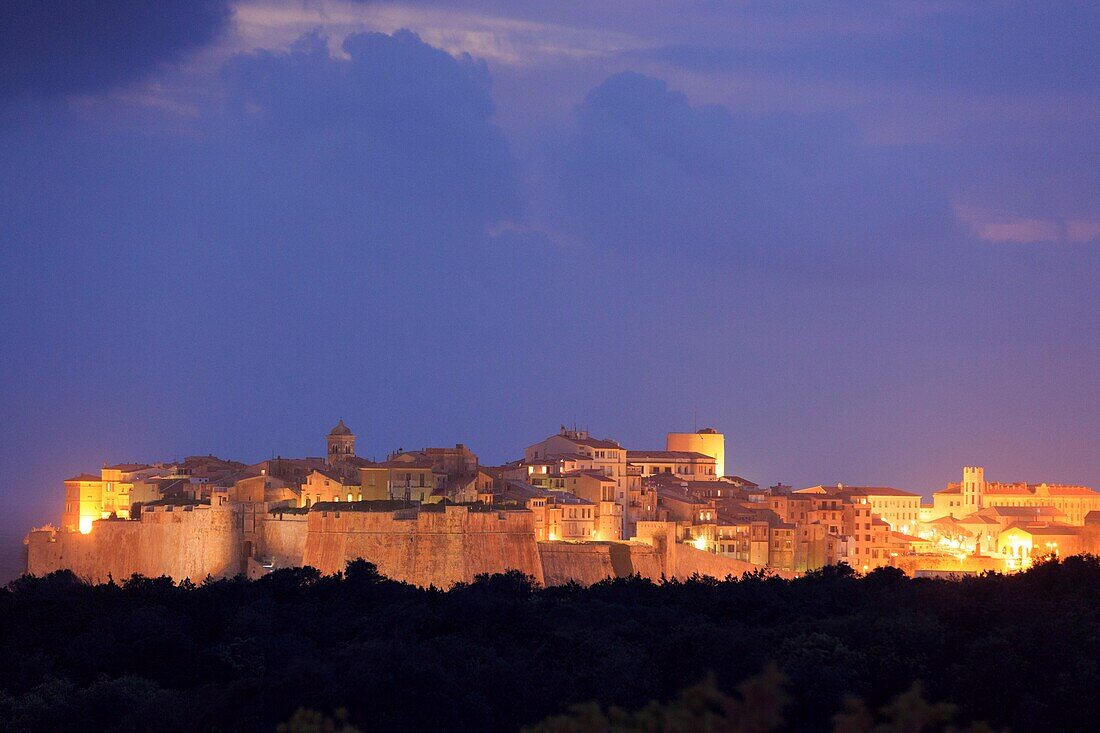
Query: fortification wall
564, 562
430, 548
686, 561
181, 544
283, 539
590, 562
911, 564
438, 548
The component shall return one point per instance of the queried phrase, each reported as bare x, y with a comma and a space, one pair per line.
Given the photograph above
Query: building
974, 493
707, 441
112, 494
898, 508
687, 465
574, 450
1024, 542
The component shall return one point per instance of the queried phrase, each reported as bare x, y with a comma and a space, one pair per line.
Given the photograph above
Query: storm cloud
58, 47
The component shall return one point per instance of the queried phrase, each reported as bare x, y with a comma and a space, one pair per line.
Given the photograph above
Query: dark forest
297, 651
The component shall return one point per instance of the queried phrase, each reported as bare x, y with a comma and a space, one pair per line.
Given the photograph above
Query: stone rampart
686, 561
282, 540
426, 547
181, 542
438, 548
590, 562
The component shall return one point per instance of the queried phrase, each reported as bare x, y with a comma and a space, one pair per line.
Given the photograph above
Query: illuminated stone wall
438, 548
588, 563
283, 540
182, 544
429, 548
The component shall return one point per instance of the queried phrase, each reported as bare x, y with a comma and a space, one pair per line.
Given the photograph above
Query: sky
862, 239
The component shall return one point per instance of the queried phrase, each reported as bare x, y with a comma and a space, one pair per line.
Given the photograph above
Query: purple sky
862, 239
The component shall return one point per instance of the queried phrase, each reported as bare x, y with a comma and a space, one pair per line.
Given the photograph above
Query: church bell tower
341, 444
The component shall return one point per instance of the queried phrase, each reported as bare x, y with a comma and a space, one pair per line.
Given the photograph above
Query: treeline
831, 651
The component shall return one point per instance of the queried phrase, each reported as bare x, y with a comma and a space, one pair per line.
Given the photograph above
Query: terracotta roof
857, 490
666, 455
127, 467
678, 493
594, 474
571, 457
1062, 490
334, 476
1046, 530
405, 464
996, 488
977, 518
82, 477
1025, 511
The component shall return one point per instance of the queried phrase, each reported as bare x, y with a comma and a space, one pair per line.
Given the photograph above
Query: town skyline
861, 238
573, 508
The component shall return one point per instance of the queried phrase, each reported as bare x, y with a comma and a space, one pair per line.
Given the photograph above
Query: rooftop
340, 429
82, 477
666, 455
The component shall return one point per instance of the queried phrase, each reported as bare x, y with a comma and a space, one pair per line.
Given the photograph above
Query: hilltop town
573, 508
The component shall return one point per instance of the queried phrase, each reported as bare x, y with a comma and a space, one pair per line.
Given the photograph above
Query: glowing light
553, 537
700, 543
86, 524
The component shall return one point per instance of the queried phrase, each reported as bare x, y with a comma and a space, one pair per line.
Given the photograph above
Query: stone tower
341, 444
973, 486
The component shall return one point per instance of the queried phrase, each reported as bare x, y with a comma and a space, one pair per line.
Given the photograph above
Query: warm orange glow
86, 524
700, 543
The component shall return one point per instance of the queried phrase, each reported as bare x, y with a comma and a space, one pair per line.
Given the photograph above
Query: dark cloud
55, 47
397, 134
644, 170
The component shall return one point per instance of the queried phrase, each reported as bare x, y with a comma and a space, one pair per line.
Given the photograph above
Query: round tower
341, 444
973, 486
707, 441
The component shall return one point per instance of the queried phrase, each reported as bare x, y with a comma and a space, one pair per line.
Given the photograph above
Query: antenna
695, 419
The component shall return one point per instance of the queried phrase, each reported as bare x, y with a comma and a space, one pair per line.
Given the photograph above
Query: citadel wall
590, 562
424, 547
438, 548
182, 542
282, 539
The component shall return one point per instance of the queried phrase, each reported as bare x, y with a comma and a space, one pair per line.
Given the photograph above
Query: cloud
999, 227
980, 46
644, 170
58, 47
490, 33
394, 133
